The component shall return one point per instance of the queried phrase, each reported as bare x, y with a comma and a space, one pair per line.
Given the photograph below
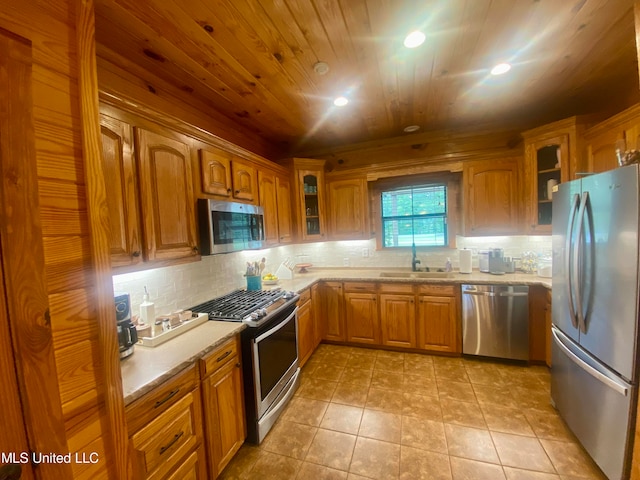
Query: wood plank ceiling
253, 62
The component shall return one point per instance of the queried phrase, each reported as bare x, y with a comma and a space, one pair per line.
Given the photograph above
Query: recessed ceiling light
412, 128
414, 39
321, 68
500, 69
340, 102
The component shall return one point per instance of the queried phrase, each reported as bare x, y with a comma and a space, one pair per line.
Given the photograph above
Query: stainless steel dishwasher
495, 321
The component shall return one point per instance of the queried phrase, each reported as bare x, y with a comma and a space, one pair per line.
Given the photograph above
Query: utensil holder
254, 283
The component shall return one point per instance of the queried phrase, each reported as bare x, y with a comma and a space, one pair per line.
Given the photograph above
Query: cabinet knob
229, 190
195, 249
238, 365
136, 253
237, 192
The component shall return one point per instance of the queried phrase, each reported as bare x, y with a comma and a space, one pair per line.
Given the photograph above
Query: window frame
412, 190
453, 182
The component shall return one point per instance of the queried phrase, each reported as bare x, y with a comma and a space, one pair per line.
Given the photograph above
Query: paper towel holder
465, 260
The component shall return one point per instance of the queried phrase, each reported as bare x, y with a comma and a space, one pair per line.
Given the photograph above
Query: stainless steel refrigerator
595, 313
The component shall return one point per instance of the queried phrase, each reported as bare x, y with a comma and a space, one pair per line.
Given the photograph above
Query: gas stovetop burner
244, 305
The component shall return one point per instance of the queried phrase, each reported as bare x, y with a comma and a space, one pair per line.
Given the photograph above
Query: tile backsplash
183, 286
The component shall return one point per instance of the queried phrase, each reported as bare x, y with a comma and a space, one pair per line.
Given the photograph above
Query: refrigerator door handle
621, 388
575, 201
577, 266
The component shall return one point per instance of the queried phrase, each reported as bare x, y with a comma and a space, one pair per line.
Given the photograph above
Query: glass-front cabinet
308, 184
550, 159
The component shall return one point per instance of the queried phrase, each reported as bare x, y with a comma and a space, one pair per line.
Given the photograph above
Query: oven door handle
277, 327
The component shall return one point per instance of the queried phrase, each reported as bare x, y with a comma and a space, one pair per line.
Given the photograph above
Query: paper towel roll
465, 261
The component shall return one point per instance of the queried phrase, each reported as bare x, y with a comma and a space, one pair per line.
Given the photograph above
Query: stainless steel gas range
269, 351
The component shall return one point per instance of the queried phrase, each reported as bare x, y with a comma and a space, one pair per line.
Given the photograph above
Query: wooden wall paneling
24, 279
68, 263
108, 363
62, 209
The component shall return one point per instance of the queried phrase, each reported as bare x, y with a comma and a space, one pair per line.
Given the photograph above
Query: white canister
465, 260
552, 182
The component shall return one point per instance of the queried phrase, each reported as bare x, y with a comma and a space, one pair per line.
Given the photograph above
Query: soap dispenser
148, 311
447, 266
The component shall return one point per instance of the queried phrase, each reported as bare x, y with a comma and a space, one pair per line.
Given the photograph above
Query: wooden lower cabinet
362, 322
165, 430
306, 328
223, 404
398, 320
437, 324
547, 328
333, 324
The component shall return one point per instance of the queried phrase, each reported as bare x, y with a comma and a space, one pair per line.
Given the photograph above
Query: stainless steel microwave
229, 226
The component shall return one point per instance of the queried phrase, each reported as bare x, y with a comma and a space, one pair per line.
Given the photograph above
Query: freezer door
595, 404
608, 267
565, 208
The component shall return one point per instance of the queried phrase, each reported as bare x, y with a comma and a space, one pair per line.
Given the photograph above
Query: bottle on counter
148, 311
447, 266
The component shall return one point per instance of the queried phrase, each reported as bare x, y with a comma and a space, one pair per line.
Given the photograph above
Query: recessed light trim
414, 39
500, 69
411, 128
340, 101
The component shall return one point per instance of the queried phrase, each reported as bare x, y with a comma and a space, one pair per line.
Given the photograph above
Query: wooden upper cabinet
268, 200
491, 197
283, 197
308, 185
228, 176
166, 195
245, 183
121, 189
348, 202
215, 169
623, 129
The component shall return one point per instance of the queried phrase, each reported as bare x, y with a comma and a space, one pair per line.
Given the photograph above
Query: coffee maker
127, 333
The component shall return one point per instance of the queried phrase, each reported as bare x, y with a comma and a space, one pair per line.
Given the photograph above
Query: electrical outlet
345, 262
365, 252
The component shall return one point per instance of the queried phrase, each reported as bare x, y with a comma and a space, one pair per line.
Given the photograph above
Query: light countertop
148, 367
301, 281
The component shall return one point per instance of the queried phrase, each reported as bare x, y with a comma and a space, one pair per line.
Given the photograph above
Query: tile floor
372, 414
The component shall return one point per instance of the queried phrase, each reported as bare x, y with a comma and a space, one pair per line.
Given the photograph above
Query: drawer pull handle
223, 356
168, 397
175, 438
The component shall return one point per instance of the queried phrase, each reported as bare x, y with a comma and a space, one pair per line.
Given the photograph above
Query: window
415, 214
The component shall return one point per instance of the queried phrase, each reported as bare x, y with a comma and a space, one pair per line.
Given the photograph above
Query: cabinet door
245, 182
120, 184
547, 163
398, 320
491, 201
332, 312
215, 170
316, 313
311, 205
347, 209
166, 195
362, 322
224, 415
547, 329
193, 468
306, 333
283, 196
267, 188
438, 324
601, 150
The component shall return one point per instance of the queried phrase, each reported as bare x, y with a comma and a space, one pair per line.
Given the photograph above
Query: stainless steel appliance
229, 227
595, 313
269, 351
127, 333
495, 321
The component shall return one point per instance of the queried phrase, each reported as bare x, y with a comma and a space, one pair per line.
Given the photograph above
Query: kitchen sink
416, 274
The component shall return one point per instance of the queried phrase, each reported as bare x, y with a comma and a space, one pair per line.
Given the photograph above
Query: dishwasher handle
479, 294
513, 294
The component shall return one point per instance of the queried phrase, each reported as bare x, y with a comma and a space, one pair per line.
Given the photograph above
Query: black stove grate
238, 304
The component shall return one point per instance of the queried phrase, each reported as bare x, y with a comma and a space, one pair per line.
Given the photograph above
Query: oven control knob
262, 312
254, 316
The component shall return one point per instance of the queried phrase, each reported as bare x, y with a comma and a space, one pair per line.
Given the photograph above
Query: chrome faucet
414, 260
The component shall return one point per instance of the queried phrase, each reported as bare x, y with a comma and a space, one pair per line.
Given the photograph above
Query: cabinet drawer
192, 468
439, 290
164, 442
305, 296
143, 410
359, 287
225, 353
395, 288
